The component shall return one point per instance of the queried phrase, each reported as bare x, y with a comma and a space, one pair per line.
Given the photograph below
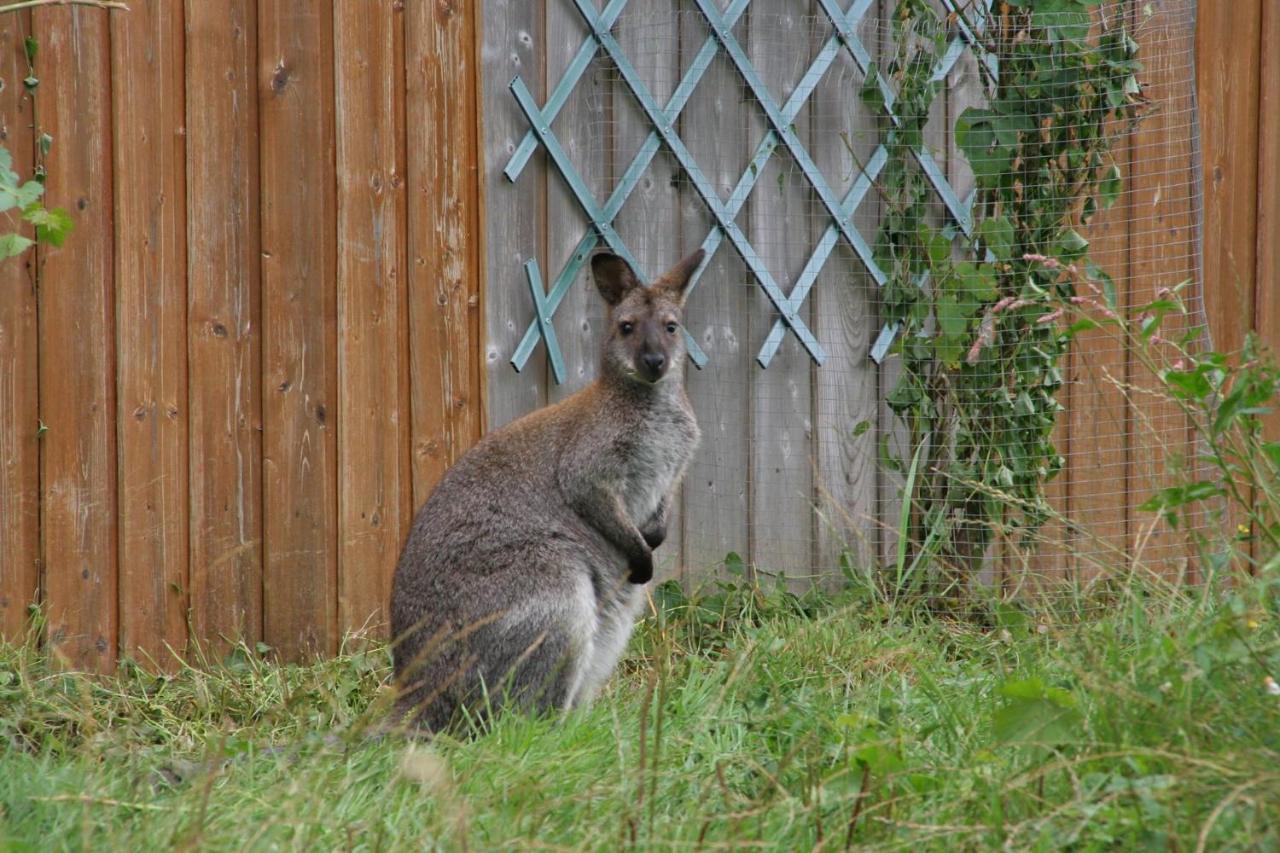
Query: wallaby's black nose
653, 362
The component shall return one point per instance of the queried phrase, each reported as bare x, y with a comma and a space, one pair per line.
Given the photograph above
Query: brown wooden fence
222, 399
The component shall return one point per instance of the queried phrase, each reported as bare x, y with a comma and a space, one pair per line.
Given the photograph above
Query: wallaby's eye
626, 328
671, 328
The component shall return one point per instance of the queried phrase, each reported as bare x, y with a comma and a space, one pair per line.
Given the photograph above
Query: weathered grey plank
891, 434
715, 490
649, 32
843, 134
514, 44
583, 131
782, 215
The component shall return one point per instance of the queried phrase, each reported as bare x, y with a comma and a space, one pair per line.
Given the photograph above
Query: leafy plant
51, 226
20, 201
1234, 479
981, 354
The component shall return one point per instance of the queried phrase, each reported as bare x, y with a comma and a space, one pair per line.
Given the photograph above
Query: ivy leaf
976, 284
1071, 246
12, 245
997, 235
1109, 187
871, 93
987, 138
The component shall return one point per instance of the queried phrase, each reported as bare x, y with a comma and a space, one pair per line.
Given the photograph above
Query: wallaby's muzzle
653, 366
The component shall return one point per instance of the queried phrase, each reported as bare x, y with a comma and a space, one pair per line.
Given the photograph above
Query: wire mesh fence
793, 140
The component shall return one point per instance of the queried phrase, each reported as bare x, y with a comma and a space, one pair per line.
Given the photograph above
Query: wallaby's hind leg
536, 656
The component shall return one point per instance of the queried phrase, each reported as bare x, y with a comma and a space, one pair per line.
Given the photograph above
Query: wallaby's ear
614, 276
677, 278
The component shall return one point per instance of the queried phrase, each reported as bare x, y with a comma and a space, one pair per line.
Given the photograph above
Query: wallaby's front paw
655, 535
640, 569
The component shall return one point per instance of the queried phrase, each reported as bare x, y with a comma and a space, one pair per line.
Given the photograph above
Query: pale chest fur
656, 453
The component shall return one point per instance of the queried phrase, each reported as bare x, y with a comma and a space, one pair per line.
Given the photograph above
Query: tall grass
742, 717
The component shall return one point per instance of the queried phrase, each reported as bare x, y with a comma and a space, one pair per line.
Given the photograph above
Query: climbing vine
979, 344
20, 201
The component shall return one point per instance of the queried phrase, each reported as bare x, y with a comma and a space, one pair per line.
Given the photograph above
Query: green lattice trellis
663, 118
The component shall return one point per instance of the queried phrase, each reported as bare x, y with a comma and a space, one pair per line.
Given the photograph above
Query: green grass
744, 718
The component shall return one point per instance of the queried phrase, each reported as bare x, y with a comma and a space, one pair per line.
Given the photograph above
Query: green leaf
1192, 384
976, 284
1072, 246
1036, 713
23, 196
734, 564
987, 138
860, 428
1178, 496
997, 235
871, 94
12, 245
52, 226
878, 758
1109, 187
1272, 451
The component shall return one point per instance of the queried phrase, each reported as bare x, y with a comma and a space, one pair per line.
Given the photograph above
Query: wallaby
523, 573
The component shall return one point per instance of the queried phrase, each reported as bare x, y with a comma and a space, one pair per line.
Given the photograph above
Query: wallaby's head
645, 338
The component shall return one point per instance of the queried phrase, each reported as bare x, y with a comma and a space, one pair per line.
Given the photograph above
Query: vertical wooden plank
715, 487
843, 299
19, 366
650, 34
585, 130
514, 45
295, 68
374, 476
781, 212
1099, 419
224, 339
1163, 187
150, 207
1227, 60
446, 236
76, 318
1267, 281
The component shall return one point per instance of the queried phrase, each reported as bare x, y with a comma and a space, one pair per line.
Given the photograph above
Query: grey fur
523, 573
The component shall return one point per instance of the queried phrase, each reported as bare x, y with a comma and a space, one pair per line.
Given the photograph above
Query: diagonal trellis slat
839, 211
